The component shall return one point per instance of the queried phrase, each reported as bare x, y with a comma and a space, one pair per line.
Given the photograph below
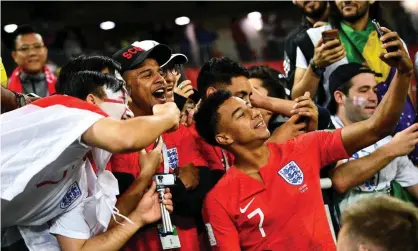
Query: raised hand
288, 130
169, 111
404, 142
328, 53
148, 209
305, 107
398, 59
150, 161
184, 89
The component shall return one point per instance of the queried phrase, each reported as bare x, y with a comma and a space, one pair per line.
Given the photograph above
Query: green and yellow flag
363, 47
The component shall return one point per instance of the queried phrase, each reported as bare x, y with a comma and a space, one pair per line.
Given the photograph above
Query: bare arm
362, 134
350, 174
324, 54
147, 211
149, 163
355, 172
305, 81
111, 240
134, 134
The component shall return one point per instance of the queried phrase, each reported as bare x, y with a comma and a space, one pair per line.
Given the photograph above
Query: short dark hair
218, 71
84, 63
271, 81
383, 221
344, 88
23, 29
207, 116
83, 83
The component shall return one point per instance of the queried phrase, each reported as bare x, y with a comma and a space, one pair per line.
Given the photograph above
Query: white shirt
58, 188
400, 169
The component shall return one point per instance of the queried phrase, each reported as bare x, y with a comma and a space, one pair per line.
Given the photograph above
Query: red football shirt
287, 211
181, 150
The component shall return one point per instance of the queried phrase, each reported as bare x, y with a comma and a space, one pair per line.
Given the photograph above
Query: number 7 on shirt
260, 225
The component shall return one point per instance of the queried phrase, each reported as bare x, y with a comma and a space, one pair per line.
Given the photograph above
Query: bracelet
20, 99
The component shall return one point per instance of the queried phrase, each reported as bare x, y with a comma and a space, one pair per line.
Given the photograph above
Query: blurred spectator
379, 224
370, 171
241, 41
274, 34
3, 76
314, 12
206, 39
30, 54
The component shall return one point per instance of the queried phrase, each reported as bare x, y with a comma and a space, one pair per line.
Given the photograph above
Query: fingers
300, 126
184, 83
389, 35
330, 44
293, 119
143, 152
319, 44
304, 103
391, 55
190, 117
307, 94
395, 43
412, 128
151, 190
187, 88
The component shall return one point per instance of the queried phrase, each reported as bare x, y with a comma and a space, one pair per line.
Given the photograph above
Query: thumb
307, 94
143, 152
151, 190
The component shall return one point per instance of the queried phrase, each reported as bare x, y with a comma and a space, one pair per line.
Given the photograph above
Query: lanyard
225, 160
165, 157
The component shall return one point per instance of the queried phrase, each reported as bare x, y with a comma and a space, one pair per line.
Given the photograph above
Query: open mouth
260, 124
160, 94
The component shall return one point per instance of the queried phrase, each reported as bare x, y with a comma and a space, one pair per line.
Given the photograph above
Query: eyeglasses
173, 69
27, 48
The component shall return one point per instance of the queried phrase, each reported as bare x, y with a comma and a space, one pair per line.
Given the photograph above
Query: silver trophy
163, 181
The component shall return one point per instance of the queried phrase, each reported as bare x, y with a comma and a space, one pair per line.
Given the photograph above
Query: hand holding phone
380, 33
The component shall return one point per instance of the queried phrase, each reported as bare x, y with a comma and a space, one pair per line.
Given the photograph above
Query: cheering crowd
321, 157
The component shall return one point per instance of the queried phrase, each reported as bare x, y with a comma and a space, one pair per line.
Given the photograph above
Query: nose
255, 113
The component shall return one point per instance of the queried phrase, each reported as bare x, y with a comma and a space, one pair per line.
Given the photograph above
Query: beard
361, 12
316, 13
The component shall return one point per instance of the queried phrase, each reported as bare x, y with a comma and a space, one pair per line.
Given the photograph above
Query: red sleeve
125, 163
331, 147
328, 144
189, 151
221, 231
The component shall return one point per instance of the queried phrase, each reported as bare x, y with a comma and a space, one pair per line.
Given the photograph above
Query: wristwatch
316, 69
21, 100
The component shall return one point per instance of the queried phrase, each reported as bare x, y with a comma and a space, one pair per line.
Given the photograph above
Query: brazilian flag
364, 47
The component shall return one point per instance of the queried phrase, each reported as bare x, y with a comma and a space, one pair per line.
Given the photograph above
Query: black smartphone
180, 101
380, 33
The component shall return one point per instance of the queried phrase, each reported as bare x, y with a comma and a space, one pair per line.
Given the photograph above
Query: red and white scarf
16, 85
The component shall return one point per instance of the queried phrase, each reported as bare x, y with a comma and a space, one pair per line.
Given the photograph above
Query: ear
210, 90
14, 56
224, 139
92, 99
339, 97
